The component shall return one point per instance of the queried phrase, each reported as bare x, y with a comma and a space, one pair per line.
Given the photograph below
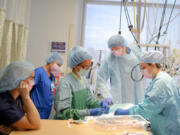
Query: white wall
50, 21
78, 22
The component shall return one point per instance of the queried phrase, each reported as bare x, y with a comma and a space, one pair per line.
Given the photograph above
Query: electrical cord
130, 26
120, 19
161, 22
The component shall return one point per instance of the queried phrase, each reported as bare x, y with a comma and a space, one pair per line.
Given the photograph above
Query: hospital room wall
50, 20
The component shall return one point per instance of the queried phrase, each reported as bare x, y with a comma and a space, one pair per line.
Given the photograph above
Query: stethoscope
136, 76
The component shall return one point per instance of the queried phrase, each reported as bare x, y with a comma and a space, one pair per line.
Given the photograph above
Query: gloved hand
121, 112
109, 101
105, 107
96, 111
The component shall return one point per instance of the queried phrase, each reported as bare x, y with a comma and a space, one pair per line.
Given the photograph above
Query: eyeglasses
86, 67
58, 64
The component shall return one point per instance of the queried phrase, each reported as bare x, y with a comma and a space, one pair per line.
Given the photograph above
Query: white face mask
146, 74
83, 72
118, 52
55, 68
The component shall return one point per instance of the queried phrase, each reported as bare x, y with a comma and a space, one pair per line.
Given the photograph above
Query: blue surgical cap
13, 74
152, 57
118, 40
54, 57
77, 55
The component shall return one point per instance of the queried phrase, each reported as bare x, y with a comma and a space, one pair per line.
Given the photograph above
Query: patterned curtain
5, 50
19, 42
2, 18
13, 31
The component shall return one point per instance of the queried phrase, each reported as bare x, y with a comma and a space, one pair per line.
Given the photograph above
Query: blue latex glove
121, 112
96, 111
109, 101
105, 106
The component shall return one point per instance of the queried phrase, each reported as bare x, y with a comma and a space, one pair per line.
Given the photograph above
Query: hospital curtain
13, 30
2, 18
6, 43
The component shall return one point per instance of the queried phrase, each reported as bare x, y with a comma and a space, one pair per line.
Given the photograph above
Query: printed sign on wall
59, 47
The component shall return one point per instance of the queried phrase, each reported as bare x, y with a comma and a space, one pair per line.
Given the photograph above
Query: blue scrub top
41, 93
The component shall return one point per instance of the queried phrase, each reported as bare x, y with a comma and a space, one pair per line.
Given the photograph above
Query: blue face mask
83, 72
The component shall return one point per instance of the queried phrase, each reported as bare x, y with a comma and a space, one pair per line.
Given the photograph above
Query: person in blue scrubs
41, 93
162, 98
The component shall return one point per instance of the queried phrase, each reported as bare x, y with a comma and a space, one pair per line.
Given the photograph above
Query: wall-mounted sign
59, 47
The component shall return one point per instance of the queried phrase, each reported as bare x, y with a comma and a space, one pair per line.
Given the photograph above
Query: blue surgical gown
41, 94
118, 70
161, 105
